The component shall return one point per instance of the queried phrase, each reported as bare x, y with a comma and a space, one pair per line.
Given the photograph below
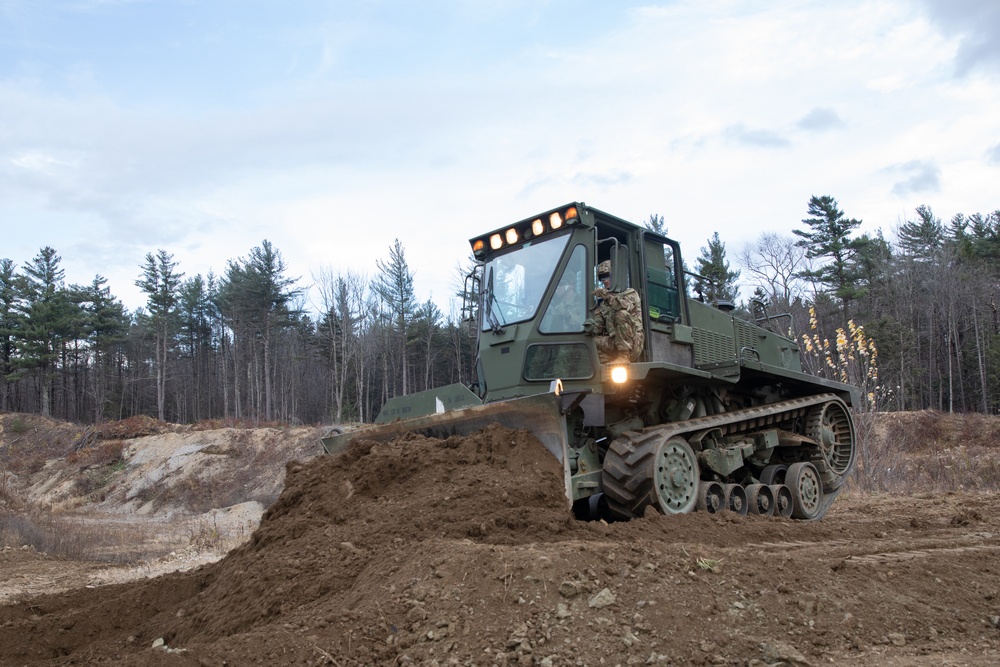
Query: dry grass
927, 452
75, 537
29, 441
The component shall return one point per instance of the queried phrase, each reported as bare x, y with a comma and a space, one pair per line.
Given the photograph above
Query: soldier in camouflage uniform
617, 321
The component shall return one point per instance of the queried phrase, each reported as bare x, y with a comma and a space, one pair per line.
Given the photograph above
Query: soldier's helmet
604, 268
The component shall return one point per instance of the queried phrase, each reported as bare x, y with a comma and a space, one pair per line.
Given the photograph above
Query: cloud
993, 155
977, 24
615, 177
920, 176
820, 120
755, 137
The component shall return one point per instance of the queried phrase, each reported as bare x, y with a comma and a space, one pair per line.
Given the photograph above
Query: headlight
511, 236
555, 220
619, 374
537, 227
496, 242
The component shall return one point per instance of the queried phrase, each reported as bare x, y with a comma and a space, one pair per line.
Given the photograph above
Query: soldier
567, 310
617, 321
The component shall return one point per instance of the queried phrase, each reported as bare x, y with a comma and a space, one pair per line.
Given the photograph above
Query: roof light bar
525, 231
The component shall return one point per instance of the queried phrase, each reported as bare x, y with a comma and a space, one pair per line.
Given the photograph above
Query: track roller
736, 499
803, 481
711, 497
760, 499
782, 500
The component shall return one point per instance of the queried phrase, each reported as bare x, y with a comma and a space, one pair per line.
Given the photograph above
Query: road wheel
711, 497
782, 500
736, 499
760, 499
807, 491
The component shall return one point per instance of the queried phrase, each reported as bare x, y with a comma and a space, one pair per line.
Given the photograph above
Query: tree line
927, 298
242, 345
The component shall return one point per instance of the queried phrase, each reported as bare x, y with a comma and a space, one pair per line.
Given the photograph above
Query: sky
332, 128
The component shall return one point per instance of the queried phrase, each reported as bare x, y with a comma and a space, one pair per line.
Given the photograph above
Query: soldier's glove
589, 326
601, 293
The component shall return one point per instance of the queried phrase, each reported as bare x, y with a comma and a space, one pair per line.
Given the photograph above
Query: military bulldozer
714, 413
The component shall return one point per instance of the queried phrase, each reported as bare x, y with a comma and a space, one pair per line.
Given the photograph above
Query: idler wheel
642, 470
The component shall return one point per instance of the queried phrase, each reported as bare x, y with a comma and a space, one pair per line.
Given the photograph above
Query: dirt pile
462, 551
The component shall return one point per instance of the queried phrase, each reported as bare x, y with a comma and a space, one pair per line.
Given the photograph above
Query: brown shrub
928, 451
73, 538
133, 427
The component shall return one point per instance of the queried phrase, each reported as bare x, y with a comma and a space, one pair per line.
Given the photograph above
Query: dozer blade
542, 415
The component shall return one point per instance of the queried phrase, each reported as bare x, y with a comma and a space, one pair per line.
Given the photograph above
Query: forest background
913, 318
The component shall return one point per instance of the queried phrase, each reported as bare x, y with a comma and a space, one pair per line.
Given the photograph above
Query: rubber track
628, 465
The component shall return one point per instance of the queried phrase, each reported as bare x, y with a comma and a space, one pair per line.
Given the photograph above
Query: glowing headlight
619, 374
511, 236
478, 245
555, 221
496, 242
571, 213
537, 227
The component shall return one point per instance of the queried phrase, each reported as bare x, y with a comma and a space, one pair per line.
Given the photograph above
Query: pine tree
656, 224
107, 325
255, 298
713, 265
195, 311
923, 238
9, 295
394, 288
48, 318
830, 238
270, 293
161, 282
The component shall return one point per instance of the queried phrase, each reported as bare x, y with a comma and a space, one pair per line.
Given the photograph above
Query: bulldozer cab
537, 281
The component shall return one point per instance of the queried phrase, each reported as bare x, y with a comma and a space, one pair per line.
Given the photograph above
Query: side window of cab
661, 281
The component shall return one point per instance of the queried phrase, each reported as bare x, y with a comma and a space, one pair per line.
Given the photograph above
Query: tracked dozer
714, 413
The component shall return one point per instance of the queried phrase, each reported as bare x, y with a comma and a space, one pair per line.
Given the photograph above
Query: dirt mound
463, 551
337, 514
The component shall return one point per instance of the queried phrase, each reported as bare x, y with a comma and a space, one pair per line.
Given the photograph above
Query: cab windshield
515, 283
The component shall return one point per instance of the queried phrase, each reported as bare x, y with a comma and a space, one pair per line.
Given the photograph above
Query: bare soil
461, 551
